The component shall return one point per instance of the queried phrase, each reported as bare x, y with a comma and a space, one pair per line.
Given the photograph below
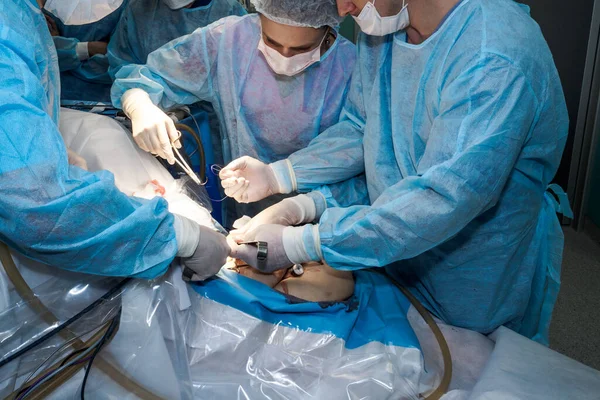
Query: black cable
109, 332
62, 326
73, 354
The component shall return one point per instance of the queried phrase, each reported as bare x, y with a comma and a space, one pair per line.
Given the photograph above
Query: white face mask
290, 66
372, 23
177, 4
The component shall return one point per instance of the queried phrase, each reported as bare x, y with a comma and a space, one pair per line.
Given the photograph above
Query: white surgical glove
293, 211
152, 129
285, 247
201, 249
248, 180
76, 160
276, 257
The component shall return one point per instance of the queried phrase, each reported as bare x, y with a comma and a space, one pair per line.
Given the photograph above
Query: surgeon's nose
286, 52
347, 7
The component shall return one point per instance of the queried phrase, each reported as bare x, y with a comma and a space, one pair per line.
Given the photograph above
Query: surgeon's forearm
72, 219
334, 156
415, 215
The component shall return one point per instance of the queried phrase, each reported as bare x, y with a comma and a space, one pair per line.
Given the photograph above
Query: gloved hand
248, 180
76, 160
271, 234
288, 212
202, 250
152, 129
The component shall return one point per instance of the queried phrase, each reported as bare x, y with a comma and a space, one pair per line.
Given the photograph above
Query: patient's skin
319, 282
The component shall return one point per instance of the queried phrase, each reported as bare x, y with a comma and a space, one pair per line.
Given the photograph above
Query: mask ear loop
320, 46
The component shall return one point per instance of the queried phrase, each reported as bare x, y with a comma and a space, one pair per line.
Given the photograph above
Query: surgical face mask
177, 4
290, 66
372, 23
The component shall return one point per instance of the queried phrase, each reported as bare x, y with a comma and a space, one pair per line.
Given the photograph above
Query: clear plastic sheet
279, 349
147, 348
208, 350
21, 325
211, 350
232, 338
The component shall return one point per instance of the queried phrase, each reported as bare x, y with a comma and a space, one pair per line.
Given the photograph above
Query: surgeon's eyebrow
297, 48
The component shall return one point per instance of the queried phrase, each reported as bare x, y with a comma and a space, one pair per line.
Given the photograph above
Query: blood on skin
158, 188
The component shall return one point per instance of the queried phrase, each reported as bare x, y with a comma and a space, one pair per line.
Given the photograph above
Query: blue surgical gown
459, 137
50, 211
263, 115
146, 25
88, 79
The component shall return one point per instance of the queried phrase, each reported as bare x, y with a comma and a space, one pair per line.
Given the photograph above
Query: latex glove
76, 160
203, 250
288, 212
248, 180
276, 257
152, 129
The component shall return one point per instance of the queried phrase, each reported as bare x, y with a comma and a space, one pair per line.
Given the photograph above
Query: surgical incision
319, 282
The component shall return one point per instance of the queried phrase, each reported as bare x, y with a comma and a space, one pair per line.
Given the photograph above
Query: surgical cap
305, 13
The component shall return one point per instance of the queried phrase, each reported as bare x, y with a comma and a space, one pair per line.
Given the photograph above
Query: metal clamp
262, 254
297, 270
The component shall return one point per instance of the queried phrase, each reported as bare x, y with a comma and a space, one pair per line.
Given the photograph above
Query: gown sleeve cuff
286, 178
302, 243
81, 49
187, 234
320, 203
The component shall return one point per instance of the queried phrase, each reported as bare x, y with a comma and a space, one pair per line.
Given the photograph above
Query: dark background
566, 27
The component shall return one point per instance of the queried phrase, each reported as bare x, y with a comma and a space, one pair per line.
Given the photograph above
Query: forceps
181, 161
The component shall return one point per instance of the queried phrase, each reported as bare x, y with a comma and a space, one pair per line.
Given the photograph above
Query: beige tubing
43, 312
447, 376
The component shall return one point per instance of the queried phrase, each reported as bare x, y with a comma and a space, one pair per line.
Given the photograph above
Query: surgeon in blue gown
60, 214
271, 99
457, 116
147, 25
82, 31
